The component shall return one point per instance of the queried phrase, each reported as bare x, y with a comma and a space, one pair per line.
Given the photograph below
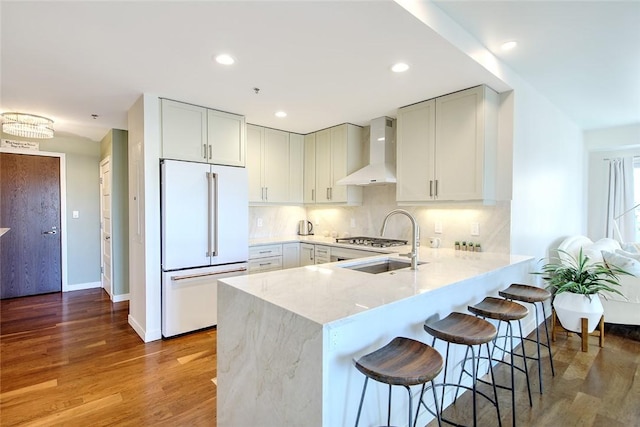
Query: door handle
50, 232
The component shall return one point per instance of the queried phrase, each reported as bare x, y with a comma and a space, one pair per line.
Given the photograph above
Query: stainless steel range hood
382, 156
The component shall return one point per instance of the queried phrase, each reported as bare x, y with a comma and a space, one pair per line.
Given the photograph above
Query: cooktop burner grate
376, 242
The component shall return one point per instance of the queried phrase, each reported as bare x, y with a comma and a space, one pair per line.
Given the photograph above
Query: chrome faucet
415, 238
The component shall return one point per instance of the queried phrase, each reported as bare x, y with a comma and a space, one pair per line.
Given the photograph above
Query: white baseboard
120, 298
146, 336
80, 286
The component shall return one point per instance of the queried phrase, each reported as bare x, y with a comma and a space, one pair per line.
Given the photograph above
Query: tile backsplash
455, 219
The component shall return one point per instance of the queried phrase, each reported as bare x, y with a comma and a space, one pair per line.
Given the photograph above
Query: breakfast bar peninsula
287, 339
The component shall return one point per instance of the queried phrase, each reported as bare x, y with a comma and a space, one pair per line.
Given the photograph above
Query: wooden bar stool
506, 311
464, 329
403, 362
532, 295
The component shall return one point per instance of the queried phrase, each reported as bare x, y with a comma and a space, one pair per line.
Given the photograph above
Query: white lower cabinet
290, 255
265, 258
322, 254
307, 254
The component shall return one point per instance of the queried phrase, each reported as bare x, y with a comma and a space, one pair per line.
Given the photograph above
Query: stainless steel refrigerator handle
209, 212
213, 217
217, 273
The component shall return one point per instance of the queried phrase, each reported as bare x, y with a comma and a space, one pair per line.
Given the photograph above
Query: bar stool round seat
468, 330
404, 362
525, 293
461, 328
506, 311
499, 309
533, 295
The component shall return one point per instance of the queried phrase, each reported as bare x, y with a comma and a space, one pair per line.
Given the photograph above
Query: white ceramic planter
571, 308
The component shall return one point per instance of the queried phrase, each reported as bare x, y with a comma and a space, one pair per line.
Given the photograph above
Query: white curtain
620, 203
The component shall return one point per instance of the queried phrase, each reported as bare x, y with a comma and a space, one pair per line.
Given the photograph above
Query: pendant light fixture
27, 125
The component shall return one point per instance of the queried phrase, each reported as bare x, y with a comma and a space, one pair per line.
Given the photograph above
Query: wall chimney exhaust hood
382, 156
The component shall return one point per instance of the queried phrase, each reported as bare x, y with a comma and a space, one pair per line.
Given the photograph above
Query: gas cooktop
376, 242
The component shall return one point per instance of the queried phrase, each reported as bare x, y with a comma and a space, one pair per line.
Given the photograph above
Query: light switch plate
75, 214
438, 227
475, 229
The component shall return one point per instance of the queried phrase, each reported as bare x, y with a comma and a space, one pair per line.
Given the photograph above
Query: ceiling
322, 62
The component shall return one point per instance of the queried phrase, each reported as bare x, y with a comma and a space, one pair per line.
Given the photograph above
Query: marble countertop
326, 293
3, 231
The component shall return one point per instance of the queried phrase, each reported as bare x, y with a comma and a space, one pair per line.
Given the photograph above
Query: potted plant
574, 282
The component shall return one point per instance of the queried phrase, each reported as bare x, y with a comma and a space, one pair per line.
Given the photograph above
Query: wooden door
30, 253
106, 221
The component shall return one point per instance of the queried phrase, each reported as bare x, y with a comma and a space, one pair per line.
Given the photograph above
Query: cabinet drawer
265, 264
322, 254
265, 251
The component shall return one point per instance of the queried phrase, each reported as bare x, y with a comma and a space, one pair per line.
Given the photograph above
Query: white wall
144, 217
605, 144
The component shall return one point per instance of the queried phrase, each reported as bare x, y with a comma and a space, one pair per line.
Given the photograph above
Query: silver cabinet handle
313, 194
50, 232
430, 188
436, 188
328, 196
210, 151
204, 149
266, 193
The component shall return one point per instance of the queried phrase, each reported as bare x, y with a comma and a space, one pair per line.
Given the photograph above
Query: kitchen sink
380, 266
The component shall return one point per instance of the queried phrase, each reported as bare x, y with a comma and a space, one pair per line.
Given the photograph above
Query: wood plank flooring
71, 359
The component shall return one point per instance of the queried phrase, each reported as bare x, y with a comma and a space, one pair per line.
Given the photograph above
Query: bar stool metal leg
402, 362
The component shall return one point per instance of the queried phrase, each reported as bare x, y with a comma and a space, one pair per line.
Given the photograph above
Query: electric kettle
305, 228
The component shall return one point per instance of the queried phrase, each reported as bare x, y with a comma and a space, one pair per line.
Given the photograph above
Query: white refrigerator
205, 237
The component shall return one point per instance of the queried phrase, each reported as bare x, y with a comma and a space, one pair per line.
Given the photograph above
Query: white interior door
106, 268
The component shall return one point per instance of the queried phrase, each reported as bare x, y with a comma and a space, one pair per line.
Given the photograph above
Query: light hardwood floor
71, 359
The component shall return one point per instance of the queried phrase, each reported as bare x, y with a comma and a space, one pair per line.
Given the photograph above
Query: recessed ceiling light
225, 59
508, 45
400, 67
281, 114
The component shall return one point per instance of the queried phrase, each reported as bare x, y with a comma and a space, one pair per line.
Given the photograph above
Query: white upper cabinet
226, 138
309, 191
198, 134
274, 166
296, 167
338, 153
447, 148
415, 152
184, 131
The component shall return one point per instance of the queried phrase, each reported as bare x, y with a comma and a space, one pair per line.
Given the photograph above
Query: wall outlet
259, 222
475, 229
75, 214
438, 227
